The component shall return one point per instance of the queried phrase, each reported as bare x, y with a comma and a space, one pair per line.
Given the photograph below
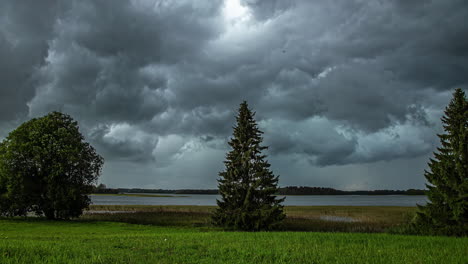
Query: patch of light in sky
233, 11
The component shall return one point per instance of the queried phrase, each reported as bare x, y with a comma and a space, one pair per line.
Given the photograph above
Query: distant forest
289, 190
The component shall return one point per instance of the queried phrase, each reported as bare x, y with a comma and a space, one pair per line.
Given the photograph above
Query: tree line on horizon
288, 190
47, 168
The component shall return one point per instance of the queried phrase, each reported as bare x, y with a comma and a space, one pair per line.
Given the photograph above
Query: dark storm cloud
376, 64
23, 44
334, 83
107, 54
315, 139
373, 52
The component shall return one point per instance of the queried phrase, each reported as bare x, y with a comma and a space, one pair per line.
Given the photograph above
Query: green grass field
40, 241
183, 234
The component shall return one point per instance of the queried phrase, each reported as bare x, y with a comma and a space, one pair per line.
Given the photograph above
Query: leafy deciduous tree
46, 167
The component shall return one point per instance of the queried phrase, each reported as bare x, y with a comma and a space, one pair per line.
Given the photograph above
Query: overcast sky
349, 93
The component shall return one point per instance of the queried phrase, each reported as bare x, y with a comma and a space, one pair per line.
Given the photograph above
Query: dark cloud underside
339, 87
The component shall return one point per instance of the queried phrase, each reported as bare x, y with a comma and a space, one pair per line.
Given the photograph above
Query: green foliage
247, 186
447, 211
47, 168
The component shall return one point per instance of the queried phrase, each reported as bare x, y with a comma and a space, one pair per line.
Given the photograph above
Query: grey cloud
200, 121
101, 51
145, 32
23, 45
123, 142
395, 174
334, 84
378, 57
364, 96
109, 89
266, 9
325, 143
317, 139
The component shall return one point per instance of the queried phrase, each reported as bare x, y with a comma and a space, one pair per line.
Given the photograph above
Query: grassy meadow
41, 241
183, 234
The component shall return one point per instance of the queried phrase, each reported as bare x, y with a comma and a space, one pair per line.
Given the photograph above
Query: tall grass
299, 218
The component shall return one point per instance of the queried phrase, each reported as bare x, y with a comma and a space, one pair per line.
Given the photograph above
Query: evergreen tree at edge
447, 211
247, 186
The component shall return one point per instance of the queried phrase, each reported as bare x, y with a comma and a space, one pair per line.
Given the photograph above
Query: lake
209, 199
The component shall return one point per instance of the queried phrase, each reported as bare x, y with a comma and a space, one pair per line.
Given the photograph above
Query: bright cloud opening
234, 11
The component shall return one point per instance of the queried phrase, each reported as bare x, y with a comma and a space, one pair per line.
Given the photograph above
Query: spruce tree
447, 211
247, 186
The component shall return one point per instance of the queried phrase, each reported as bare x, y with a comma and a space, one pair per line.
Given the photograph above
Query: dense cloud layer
339, 87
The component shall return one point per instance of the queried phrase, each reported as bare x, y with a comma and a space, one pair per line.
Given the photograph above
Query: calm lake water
208, 199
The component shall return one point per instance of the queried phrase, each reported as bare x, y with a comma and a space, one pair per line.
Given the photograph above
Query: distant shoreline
133, 195
187, 194
289, 190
